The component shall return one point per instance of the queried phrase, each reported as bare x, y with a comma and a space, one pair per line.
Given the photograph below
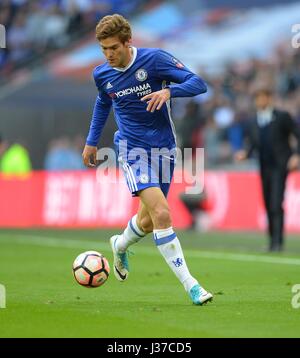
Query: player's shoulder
100, 72
153, 55
148, 50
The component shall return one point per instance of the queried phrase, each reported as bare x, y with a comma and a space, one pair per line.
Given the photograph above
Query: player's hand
240, 155
293, 162
155, 100
89, 156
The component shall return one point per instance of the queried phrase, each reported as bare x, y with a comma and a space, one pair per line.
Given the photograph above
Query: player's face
116, 52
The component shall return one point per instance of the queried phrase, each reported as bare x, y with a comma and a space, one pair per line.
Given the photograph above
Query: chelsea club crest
144, 178
141, 74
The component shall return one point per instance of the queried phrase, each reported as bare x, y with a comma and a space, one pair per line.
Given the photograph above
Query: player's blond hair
113, 25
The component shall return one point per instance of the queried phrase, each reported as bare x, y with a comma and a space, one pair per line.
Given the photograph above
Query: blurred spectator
189, 125
194, 204
235, 132
216, 147
211, 135
15, 161
64, 154
223, 114
17, 39
3, 146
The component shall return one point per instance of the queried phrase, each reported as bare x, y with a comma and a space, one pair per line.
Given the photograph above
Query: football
91, 269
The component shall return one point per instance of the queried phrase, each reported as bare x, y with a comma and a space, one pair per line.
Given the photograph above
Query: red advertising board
81, 199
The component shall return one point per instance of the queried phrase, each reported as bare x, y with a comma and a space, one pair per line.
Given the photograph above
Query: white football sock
131, 235
170, 248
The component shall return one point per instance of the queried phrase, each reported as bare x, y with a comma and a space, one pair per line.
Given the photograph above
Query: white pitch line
246, 257
57, 242
94, 245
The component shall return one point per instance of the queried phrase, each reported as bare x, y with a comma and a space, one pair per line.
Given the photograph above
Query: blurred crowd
64, 153
35, 26
217, 120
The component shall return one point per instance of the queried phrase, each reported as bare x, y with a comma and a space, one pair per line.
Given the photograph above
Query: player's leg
168, 244
131, 235
144, 220
134, 231
138, 226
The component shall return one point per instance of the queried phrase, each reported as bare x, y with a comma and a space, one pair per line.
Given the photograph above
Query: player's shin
170, 248
131, 235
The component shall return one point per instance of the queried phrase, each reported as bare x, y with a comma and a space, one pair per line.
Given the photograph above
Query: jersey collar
123, 69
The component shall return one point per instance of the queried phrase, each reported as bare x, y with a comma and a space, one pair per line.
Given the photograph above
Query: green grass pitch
252, 290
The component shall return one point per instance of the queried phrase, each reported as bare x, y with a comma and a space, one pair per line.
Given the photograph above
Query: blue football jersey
149, 70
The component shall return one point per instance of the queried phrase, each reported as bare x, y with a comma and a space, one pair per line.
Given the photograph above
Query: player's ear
128, 43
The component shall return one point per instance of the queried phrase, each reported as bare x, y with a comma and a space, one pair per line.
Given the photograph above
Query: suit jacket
282, 126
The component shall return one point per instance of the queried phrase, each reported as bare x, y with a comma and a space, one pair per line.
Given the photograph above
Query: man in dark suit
270, 135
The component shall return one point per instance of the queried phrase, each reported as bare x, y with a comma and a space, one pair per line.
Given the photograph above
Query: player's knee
146, 224
162, 217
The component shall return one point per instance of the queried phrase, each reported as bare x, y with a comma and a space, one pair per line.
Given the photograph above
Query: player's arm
186, 83
294, 130
249, 146
100, 114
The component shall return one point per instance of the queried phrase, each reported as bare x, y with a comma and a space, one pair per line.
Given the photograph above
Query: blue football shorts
144, 172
